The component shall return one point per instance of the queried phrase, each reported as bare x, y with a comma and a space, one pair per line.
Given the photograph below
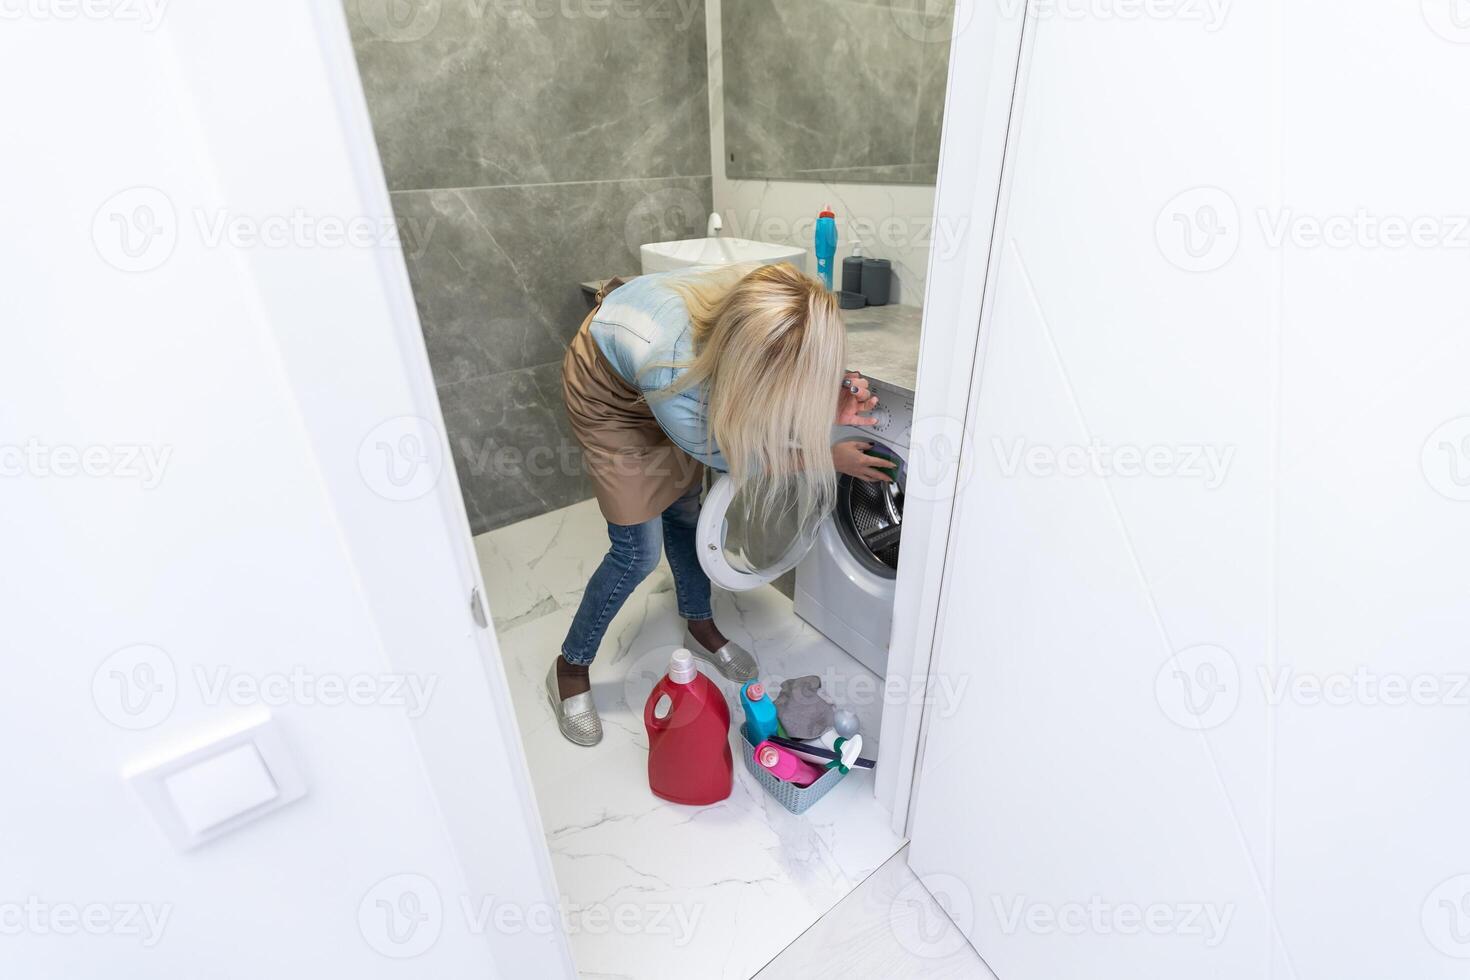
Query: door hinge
477, 609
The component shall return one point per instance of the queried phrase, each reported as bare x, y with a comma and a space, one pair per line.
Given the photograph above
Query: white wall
1126, 745
260, 550
894, 221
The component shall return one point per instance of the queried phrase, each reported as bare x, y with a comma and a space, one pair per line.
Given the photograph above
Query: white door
228, 539
1202, 628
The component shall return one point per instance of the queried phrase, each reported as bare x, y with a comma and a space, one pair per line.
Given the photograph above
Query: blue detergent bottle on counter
826, 244
760, 712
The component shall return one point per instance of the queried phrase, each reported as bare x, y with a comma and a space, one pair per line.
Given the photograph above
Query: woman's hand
855, 398
852, 459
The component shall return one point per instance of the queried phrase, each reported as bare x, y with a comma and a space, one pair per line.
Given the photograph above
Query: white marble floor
654, 889
890, 926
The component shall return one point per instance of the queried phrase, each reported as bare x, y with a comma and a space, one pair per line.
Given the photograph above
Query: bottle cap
755, 690
826, 213
768, 756
681, 667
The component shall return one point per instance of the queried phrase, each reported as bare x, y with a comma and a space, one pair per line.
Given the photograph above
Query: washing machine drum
869, 518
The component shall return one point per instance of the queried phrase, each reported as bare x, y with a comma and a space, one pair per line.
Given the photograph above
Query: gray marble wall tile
936, 28
531, 145
834, 89
495, 270
466, 93
496, 274
513, 446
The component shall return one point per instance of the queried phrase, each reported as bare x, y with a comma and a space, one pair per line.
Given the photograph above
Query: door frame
987, 60
982, 97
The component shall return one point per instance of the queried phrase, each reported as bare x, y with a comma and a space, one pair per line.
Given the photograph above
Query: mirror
834, 90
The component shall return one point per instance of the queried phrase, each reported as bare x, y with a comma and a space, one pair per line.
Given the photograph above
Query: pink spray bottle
786, 765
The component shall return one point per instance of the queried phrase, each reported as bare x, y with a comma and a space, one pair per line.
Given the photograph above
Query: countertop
882, 341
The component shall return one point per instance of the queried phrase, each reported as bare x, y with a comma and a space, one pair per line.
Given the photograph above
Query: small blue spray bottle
826, 244
760, 712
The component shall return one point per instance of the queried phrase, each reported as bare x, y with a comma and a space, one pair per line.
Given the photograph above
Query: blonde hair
769, 349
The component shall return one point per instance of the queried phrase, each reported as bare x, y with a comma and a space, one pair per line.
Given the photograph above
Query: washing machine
844, 584
846, 562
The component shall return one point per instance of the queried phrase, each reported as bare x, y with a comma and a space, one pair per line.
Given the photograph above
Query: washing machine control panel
894, 415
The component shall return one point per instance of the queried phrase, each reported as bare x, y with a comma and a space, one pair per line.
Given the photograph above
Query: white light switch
221, 785
215, 789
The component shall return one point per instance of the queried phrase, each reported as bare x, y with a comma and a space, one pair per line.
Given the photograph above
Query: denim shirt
643, 328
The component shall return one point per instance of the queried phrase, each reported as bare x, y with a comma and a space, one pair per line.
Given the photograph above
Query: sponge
801, 709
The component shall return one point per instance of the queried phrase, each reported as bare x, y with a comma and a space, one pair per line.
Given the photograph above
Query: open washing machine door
740, 549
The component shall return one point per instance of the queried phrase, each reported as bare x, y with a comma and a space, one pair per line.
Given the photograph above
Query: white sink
667, 256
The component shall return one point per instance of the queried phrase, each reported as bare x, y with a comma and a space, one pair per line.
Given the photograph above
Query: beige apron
636, 470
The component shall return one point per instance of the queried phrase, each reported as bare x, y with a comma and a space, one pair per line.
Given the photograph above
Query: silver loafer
576, 716
732, 660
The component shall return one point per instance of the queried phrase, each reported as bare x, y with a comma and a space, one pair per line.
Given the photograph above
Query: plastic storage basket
797, 799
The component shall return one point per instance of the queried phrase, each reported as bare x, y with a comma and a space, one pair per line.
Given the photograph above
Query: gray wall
834, 90
529, 147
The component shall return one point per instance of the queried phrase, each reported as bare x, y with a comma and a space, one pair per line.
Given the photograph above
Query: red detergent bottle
688, 727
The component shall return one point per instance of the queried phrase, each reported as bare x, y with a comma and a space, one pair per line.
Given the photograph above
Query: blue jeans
634, 553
